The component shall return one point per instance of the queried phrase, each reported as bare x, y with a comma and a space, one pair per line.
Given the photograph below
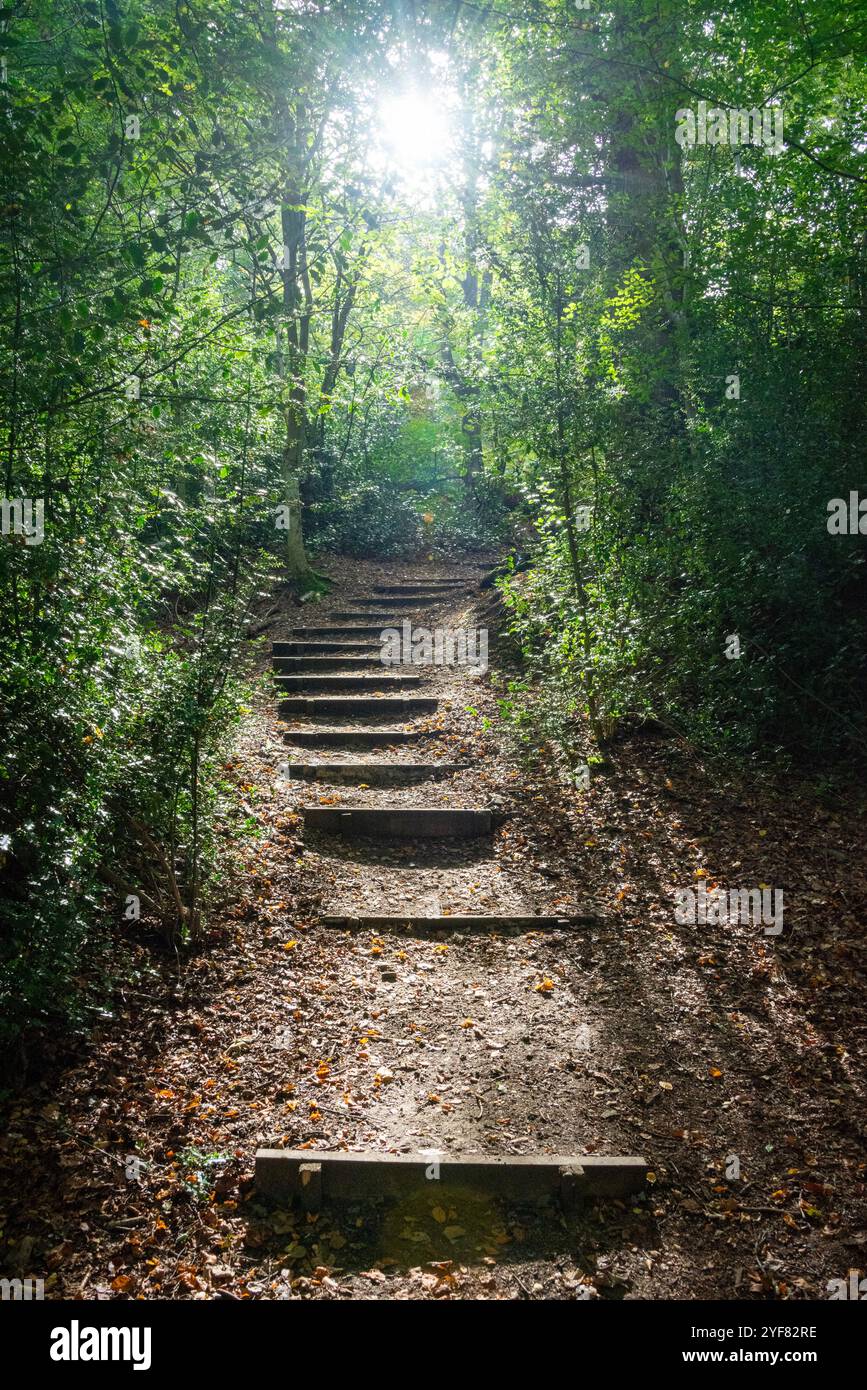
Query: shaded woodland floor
627, 1034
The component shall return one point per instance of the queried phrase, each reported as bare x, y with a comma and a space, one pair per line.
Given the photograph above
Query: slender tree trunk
568, 504
297, 308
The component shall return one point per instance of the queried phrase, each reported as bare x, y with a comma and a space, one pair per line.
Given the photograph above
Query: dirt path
628, 1033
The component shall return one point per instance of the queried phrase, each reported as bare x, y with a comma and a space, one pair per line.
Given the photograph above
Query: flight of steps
336, 671
331, 673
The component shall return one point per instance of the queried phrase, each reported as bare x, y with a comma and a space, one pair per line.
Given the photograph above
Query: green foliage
613, 380
218, 300
480, 522
368, 519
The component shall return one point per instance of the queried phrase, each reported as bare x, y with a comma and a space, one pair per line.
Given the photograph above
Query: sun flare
415, 130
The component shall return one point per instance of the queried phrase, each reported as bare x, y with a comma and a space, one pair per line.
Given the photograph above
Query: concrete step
370, 774
477, 921
354, 738
314, 1177
361, 684
287, 664
292, 648
360, 704
400, 822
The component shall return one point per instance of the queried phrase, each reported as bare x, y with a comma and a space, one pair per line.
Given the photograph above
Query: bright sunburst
415, 131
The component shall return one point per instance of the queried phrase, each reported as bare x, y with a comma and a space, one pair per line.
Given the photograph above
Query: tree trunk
297, 309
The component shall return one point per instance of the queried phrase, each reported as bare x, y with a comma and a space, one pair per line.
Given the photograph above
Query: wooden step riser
366, 651
405, 823
360, 684
419, 590
388, 707
354, 738
396, 601
287, 665
481, 922
352, 615
369, 774
312, 1177
300, 634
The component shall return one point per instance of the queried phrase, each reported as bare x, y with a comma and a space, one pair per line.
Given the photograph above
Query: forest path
448, 936
622, 1032
694, 1045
